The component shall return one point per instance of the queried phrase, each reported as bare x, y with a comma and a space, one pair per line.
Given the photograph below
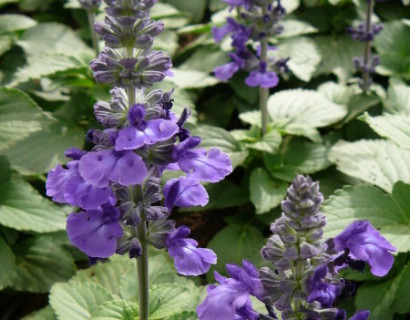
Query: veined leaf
46, 313
7, 266
389, 213
15, 22
378, 162
301, 112
398, 99
116, 310
292, 28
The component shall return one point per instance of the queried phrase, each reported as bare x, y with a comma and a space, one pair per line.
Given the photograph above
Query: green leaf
15, 22
246, 241
378, 297
379, 162
337, 55
270, 142
301, 112
394, 49
116, 310
217, 137
195, 8
49, 38
167, 301
24, 209
20, 117
7, 265
226, 194
394, 127
298, 158
49, 64
389, 213
43, 150
77, 300
206, 59
292, 28
401, 302
6, 42
5, 173
36, 269
46, 313
398, 99
191, 79
265, 192
304, 56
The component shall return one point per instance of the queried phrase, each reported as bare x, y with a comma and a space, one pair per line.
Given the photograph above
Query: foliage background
356, 145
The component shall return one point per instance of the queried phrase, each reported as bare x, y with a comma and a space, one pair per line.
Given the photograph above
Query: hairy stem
367, 46
142, 267
91, 16
264, 92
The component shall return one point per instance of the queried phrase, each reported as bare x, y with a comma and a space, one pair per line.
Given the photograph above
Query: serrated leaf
15, 22
48, 38
382, 295
394, 49
301, 112
247, 241
270, 142
304, 56
116, 310
24, 209
394, 127
217, 137
337, 55
298, 158
43, 150
379, 162
20, 116
36, 269
389, 213
167, 301
77, 300
7, 265
49, 64
398, 99
265, 192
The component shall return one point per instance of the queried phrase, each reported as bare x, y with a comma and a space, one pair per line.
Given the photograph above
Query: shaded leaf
15, 22
7, 265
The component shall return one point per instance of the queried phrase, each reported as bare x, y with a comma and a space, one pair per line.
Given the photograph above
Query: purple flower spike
101, 167
262, 78
184, 192
231, 299
365, 243
319, 290
95, 232
189, 260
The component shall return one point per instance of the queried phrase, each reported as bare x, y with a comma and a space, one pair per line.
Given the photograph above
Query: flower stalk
142, 268
94, 39
367, 46
264, 92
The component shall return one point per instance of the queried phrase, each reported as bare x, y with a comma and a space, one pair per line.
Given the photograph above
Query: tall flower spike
303, 281
117, 184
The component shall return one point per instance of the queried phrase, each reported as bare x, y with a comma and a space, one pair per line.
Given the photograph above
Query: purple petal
56, 182
129, 169
184, 192
226, 71
361, 315
160, 130
129, 139
266, 79
94, 232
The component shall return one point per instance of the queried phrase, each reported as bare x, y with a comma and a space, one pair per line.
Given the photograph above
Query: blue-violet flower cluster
257, 20
303, 280
117, 185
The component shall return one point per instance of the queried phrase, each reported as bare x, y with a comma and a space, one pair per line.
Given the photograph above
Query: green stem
264, 92
91, 16
142, 267
367, 46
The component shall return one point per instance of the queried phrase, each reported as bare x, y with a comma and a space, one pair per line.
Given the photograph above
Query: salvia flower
117, 184
303, 280
257, 20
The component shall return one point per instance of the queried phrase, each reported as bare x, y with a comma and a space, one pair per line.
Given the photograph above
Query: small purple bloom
184, 192
231, 299
95, 232
262, 77
365, 243
320, 290
99, 168
212, 165
226, 71
189, 260
144, 132
361, 315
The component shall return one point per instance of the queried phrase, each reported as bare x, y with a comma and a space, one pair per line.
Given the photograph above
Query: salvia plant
303, 278
117, 185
